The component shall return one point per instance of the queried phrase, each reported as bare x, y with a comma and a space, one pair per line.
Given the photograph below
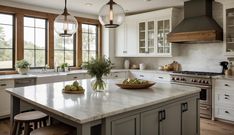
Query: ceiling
83, 6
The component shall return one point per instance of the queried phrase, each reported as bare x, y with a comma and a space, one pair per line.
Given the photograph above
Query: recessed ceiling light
88, 4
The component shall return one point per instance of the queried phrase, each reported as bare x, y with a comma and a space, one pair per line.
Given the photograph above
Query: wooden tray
73, 92
136, 86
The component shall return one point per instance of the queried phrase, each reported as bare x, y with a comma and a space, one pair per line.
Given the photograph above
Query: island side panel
160, 117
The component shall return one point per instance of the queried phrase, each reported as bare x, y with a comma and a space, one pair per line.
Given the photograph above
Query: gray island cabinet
180, 118
164, 109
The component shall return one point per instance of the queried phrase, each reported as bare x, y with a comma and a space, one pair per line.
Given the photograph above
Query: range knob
204, 81
178, 79
207, 82
182, 79
199, 81
194, 80
173, 78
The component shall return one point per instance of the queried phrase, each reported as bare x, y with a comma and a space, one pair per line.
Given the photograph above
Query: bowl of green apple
74, 88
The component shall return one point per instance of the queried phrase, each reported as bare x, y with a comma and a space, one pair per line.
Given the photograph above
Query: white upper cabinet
145, 35
229, 29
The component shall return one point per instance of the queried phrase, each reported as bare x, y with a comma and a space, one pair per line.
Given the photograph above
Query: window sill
8, 72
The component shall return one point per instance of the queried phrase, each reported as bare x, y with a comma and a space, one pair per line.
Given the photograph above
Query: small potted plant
97, 68
64, 67
22, 67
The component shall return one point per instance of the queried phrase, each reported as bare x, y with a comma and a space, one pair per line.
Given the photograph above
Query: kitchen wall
197, 57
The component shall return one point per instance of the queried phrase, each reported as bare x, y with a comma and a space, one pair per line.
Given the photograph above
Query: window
89, 42
6, 41
64, 50
35, 40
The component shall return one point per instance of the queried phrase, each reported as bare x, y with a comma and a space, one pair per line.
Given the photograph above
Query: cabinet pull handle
3, 85
160, 116
226, 85
184, 107
116, 76
226, 98
75, 77
141, 75
227, 95
227, 112
160, 77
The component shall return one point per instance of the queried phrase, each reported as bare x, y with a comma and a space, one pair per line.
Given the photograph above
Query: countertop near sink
51, 74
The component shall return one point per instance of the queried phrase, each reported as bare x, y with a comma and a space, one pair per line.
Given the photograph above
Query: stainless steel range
202, 80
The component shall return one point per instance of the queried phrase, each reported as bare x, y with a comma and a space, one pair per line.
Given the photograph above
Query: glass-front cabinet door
146, 37
230, 32
142, 37
163, 28
150, 35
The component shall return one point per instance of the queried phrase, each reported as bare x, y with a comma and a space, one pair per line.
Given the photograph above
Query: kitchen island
164, 109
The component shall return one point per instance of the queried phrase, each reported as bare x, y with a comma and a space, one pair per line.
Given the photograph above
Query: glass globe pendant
111, 15
65, 24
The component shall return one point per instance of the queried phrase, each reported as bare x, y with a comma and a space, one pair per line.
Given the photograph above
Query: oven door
206, 96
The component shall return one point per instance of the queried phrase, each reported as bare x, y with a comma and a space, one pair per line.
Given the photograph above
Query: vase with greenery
97, 68
64, 66
22, 66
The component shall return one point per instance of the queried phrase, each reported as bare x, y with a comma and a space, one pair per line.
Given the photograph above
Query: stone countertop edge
224, 77
18, 76
101, 116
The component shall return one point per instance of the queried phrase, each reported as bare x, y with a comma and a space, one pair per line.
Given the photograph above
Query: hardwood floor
208, 127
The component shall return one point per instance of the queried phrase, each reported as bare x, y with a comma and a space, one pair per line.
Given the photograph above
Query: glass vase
98, 84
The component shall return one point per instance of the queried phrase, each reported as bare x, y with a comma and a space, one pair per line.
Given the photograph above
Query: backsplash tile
195, 57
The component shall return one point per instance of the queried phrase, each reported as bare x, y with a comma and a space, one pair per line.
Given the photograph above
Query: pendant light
111, 15
65, 24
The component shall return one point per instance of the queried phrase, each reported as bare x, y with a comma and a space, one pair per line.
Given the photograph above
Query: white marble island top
91, 105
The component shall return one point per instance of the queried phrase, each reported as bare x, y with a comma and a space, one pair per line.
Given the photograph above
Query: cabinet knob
226, 98
226, 85
227, 112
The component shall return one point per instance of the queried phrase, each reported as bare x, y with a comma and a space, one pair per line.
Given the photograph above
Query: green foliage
98, 67
64, 65
22, 64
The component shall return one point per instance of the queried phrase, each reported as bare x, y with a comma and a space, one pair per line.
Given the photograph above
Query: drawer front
25, 82
143, 76
224, 97
162, 78
6, 84
116, 75
223, 112
71, 77
224, 85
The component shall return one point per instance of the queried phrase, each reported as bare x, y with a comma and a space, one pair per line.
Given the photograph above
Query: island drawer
6, 84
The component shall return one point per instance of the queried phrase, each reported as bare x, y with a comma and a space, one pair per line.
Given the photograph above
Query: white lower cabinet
224, 99
179, 118
151, 76
5, 98
50, 79
71, 77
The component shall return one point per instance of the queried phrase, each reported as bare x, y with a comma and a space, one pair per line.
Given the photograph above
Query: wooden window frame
74, 51
88, 39
19, 13
46, 41
13, 42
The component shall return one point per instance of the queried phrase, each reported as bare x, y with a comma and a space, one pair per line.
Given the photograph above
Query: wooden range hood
198, 25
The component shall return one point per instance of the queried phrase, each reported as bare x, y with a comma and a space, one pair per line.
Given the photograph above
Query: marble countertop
224, 77
91, 105
47, 74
